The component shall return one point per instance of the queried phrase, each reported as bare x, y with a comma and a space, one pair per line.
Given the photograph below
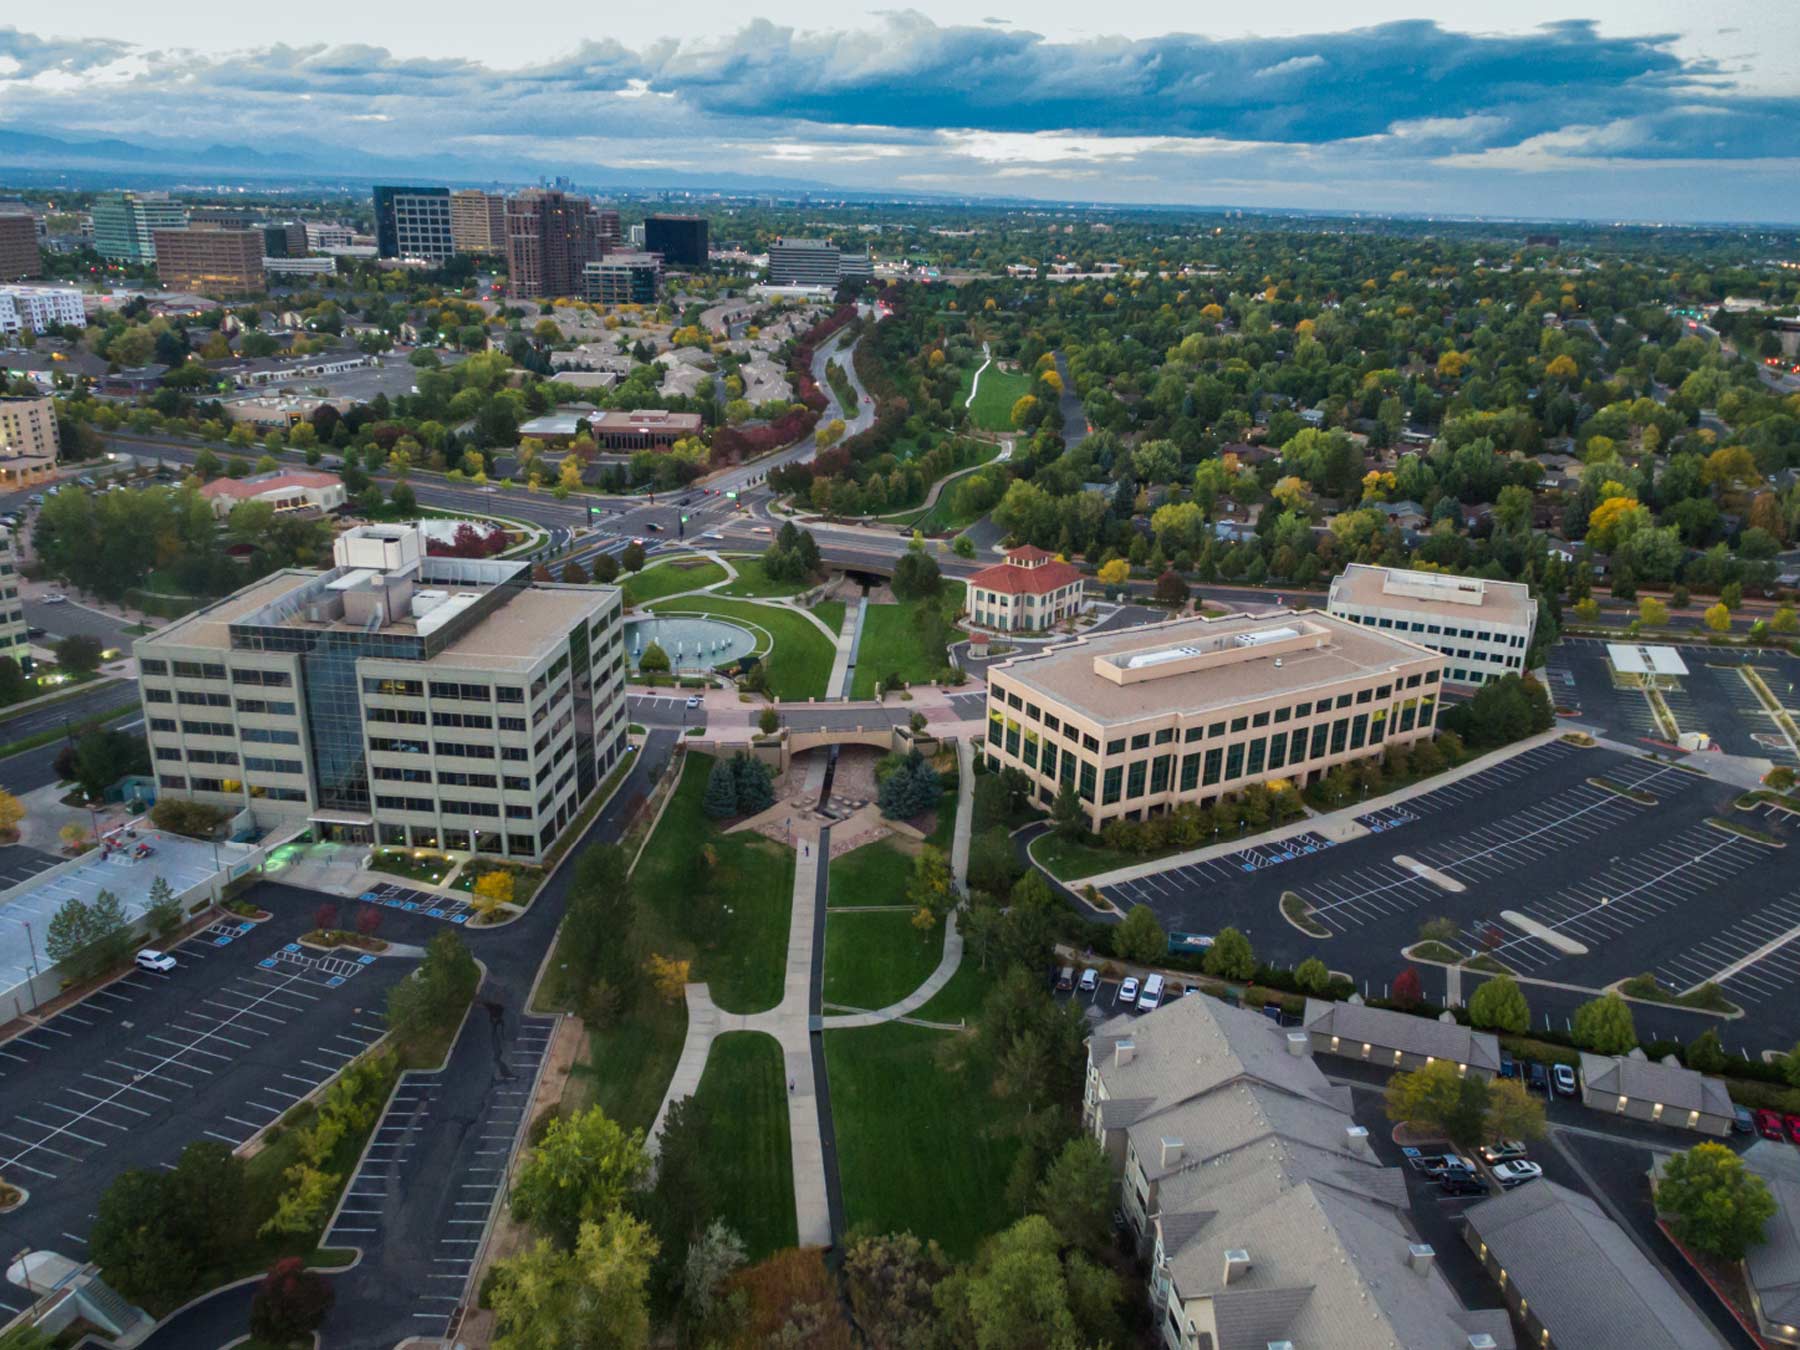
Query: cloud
1376, 111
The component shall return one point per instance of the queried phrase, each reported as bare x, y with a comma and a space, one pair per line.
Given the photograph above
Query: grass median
671, 578
744, 1092
907, 639
875, 958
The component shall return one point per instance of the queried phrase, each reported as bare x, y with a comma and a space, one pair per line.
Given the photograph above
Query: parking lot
1552, 874
434, 1141
1714, 697
427, 904
244, 1026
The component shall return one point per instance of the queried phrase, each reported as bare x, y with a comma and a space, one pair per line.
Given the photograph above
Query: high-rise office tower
680, 239
413, 222
125, 224
550, 238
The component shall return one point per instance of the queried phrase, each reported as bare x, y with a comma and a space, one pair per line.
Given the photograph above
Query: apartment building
1482, 627
609, 230
29, 440
395, 699
1144, 719
413, 222
125, 224
321, 236
477, 221
1027, 593
211, 262
622, 279
18, 246
13, 641
551, 237
682, 240
1266, 1215
39, 308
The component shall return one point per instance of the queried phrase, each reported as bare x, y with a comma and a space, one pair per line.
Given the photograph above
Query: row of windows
1220, 764
396, 687
178, 783
266, 707
452, 808
1438, 630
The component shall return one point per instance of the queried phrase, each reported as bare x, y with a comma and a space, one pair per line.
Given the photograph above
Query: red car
1768, 1124
1793, 1126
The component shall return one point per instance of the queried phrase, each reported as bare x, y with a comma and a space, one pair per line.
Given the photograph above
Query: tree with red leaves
292, 1302
1407, 989
368, 920
325, 917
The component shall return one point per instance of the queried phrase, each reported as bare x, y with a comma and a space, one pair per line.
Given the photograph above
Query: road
1075, 427
112, 696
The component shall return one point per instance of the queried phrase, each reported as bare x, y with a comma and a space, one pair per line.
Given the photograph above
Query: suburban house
1574, 1278
1639, 1087
1398, 1040
1771, 1268
286, 490
1028, 593
1267, 1215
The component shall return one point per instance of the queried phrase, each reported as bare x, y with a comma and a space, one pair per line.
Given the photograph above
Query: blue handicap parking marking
369, 895
245, 927
334, 981
407, 904
365, 960
221, 942
460, 918
435, 913
291, 947
267, 961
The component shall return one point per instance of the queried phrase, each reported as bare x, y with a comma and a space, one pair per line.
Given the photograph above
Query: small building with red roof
285, 489
1030, 592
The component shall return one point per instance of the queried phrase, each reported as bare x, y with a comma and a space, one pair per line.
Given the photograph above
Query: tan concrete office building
210, 262
477, 221
1482, 627
30, 440
1144, 719
396, 699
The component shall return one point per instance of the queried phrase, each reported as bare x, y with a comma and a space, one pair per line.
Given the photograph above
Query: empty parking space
1753, 959
1472, 788
417, 1144
427, 904
1177, 881
19, 864
1631, 891
166, 1059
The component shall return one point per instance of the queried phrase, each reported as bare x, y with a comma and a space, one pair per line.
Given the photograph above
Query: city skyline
1634, 116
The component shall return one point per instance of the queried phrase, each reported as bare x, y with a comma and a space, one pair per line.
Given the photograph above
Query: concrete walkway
789, 1022
838, 686
1339, 826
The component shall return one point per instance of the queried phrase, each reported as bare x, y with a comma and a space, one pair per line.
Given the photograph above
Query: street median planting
1298, 910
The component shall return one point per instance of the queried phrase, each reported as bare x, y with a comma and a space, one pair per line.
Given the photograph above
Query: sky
1657, 110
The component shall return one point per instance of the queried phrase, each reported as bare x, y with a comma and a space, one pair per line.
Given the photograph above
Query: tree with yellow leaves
1023, 409
668, 976
1562, 368
491, 891
1376, 485
1730, 469
1718, 618
1615, 519
1291, 492
1451, 365
12, 811
1115, 573
568, 474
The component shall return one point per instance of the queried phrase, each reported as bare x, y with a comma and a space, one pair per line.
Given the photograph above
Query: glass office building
396, 699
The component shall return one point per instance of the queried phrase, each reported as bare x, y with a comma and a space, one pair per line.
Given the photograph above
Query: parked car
54, 598
693, 700
1741, 1121
1768, 1123
1433, 1164
1151, 999
1461, 1183
1563, 1077
151, 959
1538, 1079
1128, 991
1791, 1123
1090, 981
1517, 1173
1065, 979
1504, 1151
1509, 1067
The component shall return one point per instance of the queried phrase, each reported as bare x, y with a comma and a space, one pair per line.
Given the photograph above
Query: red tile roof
255, 487
1015, 580
1029, 554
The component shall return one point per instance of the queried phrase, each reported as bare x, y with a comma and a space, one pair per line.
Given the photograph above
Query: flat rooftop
1439, 595
1195, 665
520, 631
183, 863
211, 627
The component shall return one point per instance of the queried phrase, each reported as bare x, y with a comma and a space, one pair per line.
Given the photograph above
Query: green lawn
875, 874
923, 1145
626, 1067
799, 664
671, 578
895, 640
730, 917
744, 1089
874, 959
831, 613
961, 999
998, 391
753, 581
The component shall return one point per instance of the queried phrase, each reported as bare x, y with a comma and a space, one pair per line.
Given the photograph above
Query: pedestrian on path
790, 1087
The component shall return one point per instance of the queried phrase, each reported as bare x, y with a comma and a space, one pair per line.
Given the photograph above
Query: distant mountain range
42, 158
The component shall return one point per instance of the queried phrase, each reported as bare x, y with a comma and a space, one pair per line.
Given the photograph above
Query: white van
1149, 1000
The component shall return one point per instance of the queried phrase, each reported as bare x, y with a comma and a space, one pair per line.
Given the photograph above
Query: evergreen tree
755, 791
721, 799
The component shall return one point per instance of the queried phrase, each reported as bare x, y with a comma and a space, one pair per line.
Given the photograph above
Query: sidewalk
790, 1023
